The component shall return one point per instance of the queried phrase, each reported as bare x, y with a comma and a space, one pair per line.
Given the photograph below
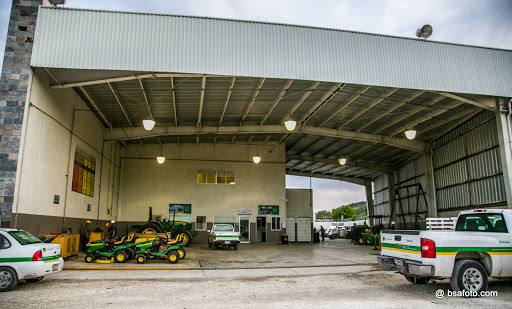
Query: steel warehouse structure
77, 84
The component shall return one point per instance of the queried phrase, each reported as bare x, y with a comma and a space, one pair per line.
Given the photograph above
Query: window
179, 218
25, 238
481, 223
227, 178
200, 223
215, 177
224, 220
4, 242
276, 224
206, 176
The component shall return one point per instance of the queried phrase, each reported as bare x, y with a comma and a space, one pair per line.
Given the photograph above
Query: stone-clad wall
13, 91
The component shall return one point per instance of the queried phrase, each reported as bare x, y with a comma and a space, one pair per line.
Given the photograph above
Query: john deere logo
398, 246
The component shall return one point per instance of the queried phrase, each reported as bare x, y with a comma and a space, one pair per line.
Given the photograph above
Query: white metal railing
441, 223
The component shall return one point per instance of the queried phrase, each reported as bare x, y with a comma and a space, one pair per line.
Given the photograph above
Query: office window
224, 220
268, 210
206, 176
200, 223
227, 178
276, 224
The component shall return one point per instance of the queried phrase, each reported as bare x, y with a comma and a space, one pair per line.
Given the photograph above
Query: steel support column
430, 185
369, 201
391, 196
503, 121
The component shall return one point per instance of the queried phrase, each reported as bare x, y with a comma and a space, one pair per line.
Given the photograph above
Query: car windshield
24, 238
223, 228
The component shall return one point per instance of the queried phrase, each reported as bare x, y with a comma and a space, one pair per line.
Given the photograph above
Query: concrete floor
330, 274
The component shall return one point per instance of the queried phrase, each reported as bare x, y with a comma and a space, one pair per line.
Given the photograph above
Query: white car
25, 257
223, 235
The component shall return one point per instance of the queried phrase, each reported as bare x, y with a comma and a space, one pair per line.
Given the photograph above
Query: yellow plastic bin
97, 236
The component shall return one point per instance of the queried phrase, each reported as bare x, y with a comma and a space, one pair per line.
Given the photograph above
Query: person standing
322, 230
87, 234
112, 230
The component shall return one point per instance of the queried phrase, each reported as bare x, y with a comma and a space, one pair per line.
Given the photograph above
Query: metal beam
318, 140
488, 105
139, 132
226, 101
302, 98
345, 104
433, 125
331, 93
253, 98
96, 106
326, 147
373, 167
357, 181
121, 105
367, 107
174, 102
127, 78
428, 116
408, 114
145, 98
201, 100
276, 100
391, 109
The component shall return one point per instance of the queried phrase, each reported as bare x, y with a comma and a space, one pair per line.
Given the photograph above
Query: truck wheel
150, 228
34, 280
416, 280
173, 257
89, 258
235, 246
8, 279
120, 256
469, 275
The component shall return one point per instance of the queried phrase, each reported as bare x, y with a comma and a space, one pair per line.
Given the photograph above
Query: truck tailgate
401, 244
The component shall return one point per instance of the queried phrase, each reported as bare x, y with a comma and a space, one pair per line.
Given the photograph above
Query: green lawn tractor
164, 248
166, 226
107, 250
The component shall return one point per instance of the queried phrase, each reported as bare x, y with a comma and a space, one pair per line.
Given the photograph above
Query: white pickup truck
479, 248
223, 235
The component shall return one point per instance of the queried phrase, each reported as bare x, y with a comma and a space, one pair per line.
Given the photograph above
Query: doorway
261, 229
245, 231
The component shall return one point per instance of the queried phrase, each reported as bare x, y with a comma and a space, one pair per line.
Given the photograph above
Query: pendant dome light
148, 124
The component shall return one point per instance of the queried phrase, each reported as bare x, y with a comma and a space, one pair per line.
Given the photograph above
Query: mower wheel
182, 253
130, 253
141, 259
173, 257
120, 256
89, 258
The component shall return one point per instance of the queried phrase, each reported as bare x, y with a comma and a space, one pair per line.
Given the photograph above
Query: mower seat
175, 240
121, 241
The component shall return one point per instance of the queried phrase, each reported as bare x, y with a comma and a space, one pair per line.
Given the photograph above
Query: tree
343, 212
323, 214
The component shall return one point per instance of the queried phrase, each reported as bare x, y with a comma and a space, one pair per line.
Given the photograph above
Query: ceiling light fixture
410, 134
160, 159
256, 159
342, 161
290, 125
148, 124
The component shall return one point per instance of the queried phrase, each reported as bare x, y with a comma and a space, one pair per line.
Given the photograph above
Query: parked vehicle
165, 248
479, 248
120, 250
166, 226
25, 257
223, 235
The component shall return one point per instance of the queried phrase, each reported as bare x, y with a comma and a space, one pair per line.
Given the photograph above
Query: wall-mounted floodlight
424, 32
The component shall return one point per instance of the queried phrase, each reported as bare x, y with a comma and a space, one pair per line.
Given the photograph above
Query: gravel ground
351, 287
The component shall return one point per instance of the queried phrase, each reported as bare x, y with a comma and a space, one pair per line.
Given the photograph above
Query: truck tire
235, 246
8, 279
34, 280
416, 280
150, 228
469, 275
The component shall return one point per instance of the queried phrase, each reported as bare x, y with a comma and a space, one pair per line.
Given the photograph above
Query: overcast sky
472, 22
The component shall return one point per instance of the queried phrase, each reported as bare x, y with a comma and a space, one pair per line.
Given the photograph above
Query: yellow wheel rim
172, 257
140, 259
89, 259
360, 240
120, 258
181, 253
185, 238
149, 231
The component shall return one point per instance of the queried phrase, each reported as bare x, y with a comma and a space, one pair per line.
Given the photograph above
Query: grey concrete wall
299, 204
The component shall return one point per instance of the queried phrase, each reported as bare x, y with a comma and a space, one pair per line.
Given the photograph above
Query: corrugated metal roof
101, 40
